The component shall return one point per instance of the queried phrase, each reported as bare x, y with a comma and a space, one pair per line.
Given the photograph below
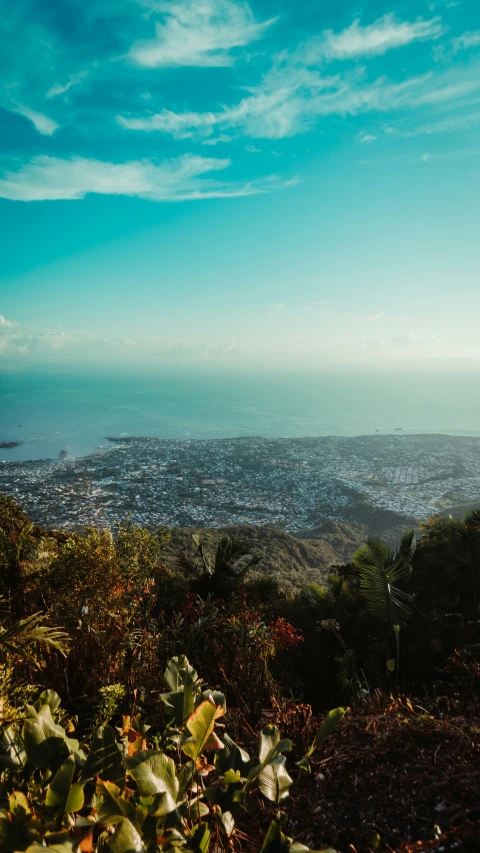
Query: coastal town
285, 483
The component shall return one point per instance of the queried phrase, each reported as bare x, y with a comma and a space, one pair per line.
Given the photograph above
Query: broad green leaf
274, 781
271, 745
126, 838
155, 775
104, 758
270, 748
200, 838
391, 664
62, 795
50, 698
175, 672
111, 805
172, 838
217, 697
182, 679
200, 724
193, 808
76, 799
181, 704
185, 778
46, 743
232, 757
67, 846
12, 751
275, 840
331, 721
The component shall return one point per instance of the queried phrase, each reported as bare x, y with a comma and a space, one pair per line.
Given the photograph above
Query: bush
183, 788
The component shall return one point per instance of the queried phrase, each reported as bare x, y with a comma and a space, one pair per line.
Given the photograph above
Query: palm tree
335, 600
222, 574
381, 573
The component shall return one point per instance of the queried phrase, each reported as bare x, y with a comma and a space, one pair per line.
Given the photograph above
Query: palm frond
316, 596
380, 570
21, 634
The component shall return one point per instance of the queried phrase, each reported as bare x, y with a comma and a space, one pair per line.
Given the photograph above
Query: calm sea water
48, 412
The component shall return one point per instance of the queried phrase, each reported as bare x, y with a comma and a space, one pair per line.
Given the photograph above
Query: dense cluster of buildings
288, 483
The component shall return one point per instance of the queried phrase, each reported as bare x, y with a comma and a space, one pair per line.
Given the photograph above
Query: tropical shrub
184, 788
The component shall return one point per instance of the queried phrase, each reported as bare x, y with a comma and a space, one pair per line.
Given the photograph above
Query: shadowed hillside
291, 560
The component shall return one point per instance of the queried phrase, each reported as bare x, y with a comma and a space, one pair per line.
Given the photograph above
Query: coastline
129, 440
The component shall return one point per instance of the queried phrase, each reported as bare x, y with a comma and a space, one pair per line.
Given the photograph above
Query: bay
50, 411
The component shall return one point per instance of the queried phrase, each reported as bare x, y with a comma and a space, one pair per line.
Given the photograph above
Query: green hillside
291, 560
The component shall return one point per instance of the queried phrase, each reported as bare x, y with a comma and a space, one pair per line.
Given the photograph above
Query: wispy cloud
466, 41
62, 88
450, 124
366, 137
48, 178
292, 90
384, 34
42, 123
197, 33
293, 97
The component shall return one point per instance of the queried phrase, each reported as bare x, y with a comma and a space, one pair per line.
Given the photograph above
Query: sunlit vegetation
150, 704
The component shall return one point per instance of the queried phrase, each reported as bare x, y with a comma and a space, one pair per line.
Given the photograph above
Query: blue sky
207, 181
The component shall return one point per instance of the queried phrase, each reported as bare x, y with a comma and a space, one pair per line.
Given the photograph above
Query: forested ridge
190, 690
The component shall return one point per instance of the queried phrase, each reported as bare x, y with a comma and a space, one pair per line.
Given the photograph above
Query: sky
211, 182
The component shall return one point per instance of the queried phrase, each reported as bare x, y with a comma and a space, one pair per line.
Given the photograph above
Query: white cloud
447, 125
48, 178
179, 125
16, 340
292, 97
197, 33
48, 342
45, 125
61, 88
271, 112
6, 324
385, 33
366, 137
466, 41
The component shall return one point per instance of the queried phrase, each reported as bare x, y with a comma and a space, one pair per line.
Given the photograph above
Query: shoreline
132, 440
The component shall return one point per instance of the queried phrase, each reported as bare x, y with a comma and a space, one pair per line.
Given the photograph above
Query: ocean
49, 412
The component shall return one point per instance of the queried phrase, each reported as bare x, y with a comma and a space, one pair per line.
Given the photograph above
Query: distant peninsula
125, 439
6, 445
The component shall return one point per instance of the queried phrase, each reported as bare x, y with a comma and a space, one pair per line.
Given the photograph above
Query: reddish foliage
284, 634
